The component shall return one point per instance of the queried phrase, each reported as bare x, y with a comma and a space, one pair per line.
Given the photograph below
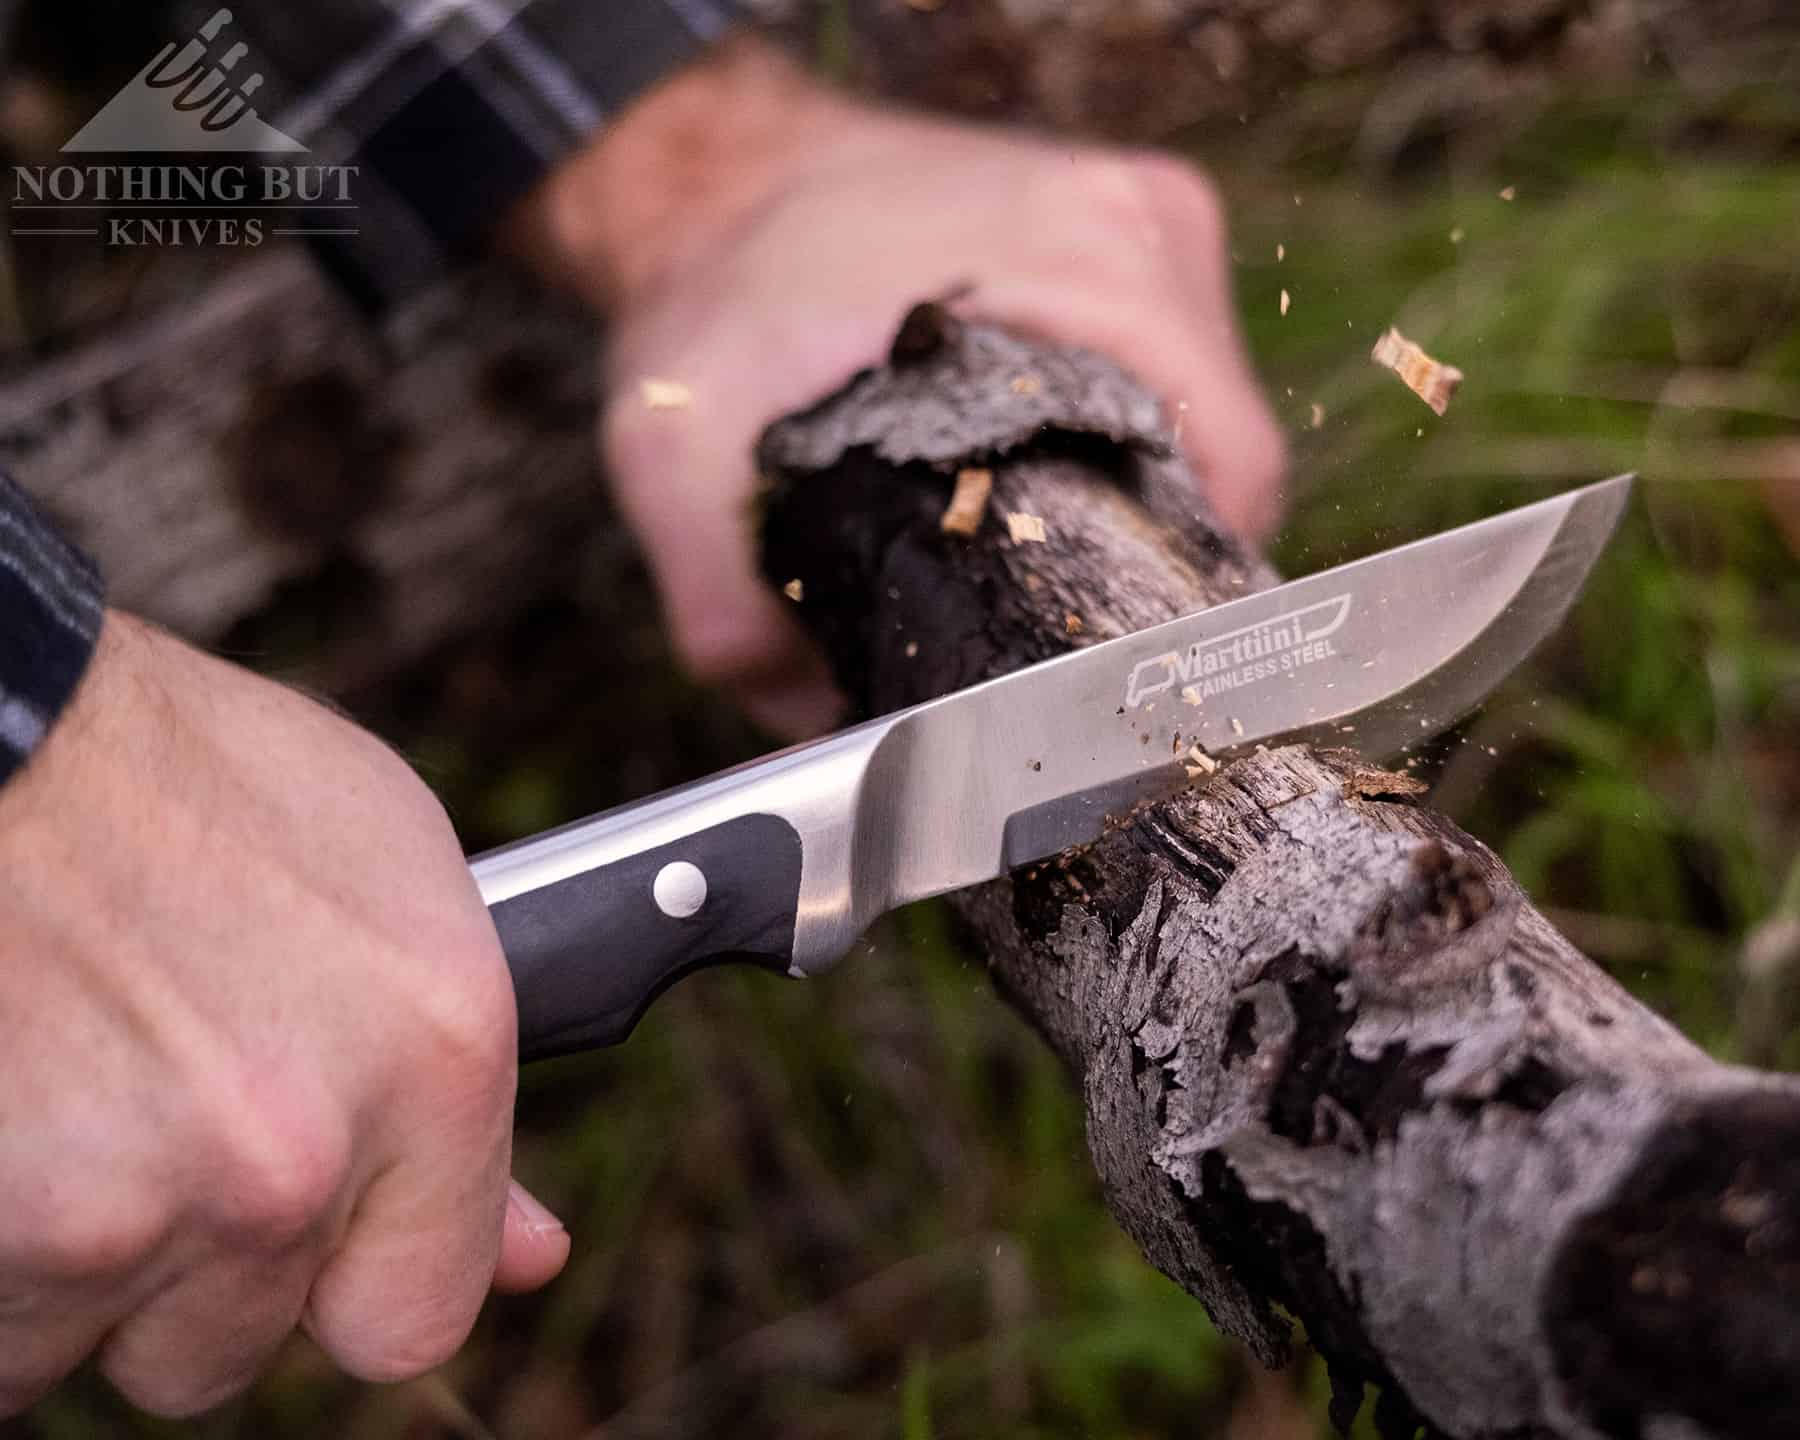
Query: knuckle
470, 1025
285, 1178
95, 1240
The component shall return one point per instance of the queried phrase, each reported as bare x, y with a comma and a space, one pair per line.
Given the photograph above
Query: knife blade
783, 862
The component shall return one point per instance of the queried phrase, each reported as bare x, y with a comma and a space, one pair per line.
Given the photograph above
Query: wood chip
1510, 193
795, 590
912, 649
1026, 385
1456, 236
969, 503
1285, 302
1026, 528
1431, 380
666, 395
1318, 415
1370, 782
1197, 763
1072, 624
1280, 253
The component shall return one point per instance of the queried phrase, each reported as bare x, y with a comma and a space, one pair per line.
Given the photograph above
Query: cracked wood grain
1335, 1065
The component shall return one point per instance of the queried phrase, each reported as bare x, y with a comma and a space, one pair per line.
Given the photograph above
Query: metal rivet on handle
680, 889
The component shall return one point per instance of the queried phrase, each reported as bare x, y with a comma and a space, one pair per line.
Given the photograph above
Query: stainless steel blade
1375, 654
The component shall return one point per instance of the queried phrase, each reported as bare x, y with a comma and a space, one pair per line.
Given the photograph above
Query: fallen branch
1334, 1062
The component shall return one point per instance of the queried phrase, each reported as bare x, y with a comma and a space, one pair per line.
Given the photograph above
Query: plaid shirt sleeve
452, 109
50, 609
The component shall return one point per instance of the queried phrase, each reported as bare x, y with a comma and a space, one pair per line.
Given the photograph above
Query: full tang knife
783, 862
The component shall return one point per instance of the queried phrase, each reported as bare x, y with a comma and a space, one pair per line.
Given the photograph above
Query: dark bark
1334, 1062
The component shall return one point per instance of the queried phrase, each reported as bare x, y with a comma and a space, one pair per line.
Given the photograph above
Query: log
1335, 1065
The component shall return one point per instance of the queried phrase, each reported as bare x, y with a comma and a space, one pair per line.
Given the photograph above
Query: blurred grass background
863, 1207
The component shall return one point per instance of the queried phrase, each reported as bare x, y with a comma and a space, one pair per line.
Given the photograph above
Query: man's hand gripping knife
260, 1054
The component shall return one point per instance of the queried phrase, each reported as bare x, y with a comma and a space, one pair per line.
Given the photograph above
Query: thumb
534, 1246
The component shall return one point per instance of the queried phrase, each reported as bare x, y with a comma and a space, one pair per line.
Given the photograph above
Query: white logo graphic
1241, 657
189, 97
180, 157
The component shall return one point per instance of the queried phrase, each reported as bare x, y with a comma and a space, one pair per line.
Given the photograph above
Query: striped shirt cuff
50, 610
454, 117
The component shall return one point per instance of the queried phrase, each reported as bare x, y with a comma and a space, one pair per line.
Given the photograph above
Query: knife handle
589, 952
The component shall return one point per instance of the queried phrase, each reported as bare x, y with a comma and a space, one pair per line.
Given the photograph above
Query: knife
783, 862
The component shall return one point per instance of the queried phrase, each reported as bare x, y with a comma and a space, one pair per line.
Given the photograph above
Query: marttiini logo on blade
191, 96
1247, 656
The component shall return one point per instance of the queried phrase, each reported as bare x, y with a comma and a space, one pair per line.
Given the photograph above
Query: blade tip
1608, 498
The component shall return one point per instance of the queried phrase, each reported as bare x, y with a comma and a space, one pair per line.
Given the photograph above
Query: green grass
1629, 309
864, 1207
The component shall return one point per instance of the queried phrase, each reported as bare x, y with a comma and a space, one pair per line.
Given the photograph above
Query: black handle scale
589, 953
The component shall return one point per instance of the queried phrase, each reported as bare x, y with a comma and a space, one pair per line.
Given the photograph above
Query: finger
207, 1336
1227, 431
685, 485
534, 1246
70, 1270
42, 1339
401, 1293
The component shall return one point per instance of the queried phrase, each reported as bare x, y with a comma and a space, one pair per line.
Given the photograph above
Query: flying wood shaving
1285, 302
1197, 763
1072, 624
1511, 192
666, 395
1026, 528
1026, 385
1318, 415
969, 503
1431, 380
795, 590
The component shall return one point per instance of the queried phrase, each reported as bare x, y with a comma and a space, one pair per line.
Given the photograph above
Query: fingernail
531, 1211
